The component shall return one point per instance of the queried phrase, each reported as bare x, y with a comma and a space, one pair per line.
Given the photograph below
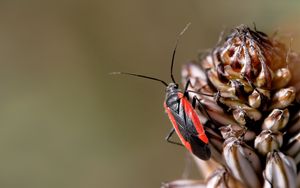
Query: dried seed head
280, 171
268, 141
255, 82
250, 53
277, 120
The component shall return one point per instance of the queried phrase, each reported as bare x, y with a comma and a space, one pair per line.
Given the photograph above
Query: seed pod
255, 80
242, 161
230, 131
222, 179
265, 93
251, 113
268, 141
264, 79
193, 72
241, 88
238, 88
232, 74
277, 120
259, 98
255, 99
240, 116
283, 98
293, 148
280, 171
281, 78
226, 90
237, 131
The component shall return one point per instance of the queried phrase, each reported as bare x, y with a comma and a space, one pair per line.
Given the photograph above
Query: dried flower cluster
248, 86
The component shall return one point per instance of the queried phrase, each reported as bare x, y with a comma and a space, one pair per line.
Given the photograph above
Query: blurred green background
66, 123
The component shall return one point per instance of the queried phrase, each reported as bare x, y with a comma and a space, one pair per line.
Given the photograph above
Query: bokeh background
66, 123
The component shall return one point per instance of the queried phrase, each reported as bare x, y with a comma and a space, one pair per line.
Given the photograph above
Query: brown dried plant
251, 86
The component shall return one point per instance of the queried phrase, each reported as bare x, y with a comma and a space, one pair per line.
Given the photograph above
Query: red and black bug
186, 122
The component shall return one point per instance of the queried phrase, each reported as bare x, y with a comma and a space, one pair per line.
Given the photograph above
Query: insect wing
191, 114
178, 124
189, 129
198, 140
199, 148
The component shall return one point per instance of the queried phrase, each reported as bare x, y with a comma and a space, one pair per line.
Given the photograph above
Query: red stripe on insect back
175, 125
190, 111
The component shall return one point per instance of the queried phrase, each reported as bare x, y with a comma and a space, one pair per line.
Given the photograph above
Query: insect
182, 114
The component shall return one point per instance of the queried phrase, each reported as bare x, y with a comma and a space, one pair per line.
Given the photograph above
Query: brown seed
259, 98
281, 78
243, 162
276, 120
264, 79
268, 141
280, 171
283, 98
240, 116
251, 113
255, 99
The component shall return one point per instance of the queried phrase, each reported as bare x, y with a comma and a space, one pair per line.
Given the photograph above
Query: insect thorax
172, 98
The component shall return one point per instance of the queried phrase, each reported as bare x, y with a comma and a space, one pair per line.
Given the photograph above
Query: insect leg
201, 108
195, 99
168, 137
185, 92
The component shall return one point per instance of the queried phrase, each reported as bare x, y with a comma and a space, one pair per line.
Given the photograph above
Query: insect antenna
172, 63
141, 76
174, 51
